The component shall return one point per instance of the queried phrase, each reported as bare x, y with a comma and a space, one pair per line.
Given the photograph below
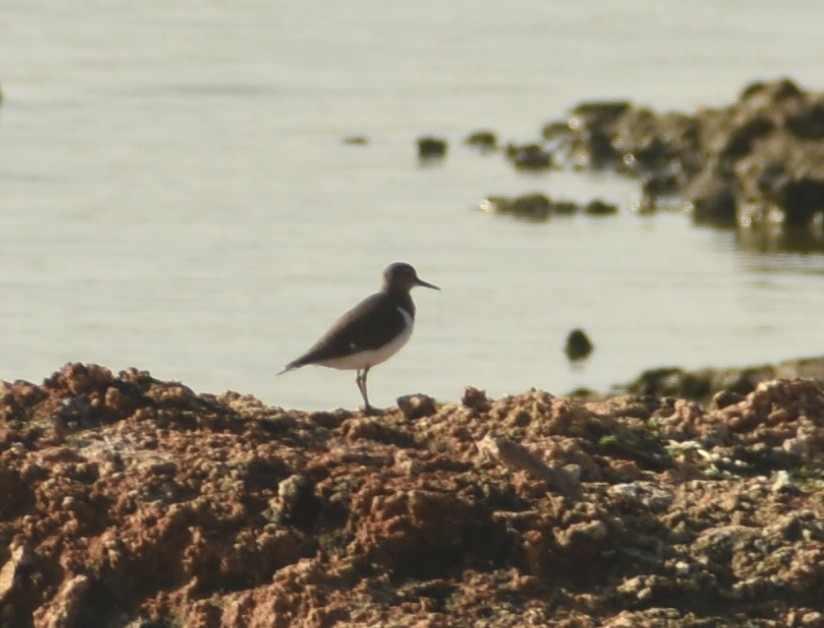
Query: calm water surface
176, 195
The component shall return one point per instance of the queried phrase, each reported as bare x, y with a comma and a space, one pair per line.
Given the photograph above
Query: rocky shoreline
718, 385
756, 165
128, 501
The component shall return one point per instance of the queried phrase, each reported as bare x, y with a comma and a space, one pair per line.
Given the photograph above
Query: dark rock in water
757, 164
660, 184
765, 149
713, 201
484, 140
430, 147
741, 139
534, 206
529, 156
356, 140
708, 383
592, 146
600, 208
801, 198
671, 382
595, 151
553, 131
578, 345
565, 208
597, 113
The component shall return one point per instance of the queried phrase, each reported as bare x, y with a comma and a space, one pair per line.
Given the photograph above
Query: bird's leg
360, 380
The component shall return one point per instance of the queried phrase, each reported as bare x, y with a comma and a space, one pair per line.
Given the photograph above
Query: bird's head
402, 277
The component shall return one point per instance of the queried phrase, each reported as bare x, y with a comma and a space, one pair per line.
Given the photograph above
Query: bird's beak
426, 284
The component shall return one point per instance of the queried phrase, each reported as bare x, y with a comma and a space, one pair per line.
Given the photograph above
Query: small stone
416, 406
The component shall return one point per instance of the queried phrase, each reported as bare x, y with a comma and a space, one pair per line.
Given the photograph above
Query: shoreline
129, 500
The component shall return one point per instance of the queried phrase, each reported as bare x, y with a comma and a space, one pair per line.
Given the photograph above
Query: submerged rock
529, 156
534, 206
356, 140
431, 147
578, 345
484, 140
702, 384
599, 207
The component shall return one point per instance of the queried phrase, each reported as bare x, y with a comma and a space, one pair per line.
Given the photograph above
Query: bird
371, 332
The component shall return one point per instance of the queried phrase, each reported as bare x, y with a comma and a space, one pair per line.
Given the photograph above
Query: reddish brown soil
129, 501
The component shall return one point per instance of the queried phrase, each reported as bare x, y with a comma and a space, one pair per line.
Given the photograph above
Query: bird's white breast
369, 358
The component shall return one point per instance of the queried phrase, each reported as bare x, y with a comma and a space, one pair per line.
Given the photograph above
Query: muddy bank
131, 501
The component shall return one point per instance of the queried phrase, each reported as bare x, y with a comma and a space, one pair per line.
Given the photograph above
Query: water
176, 195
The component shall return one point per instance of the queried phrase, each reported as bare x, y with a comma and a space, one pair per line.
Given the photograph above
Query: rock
529, 156
743, 136
660, 183
557, 131
416, 406
356, 140
725, 385
431, 147
475, 399
578, 345
484, 140
713, 201
808, 124
20, 556
595, 114
600, 208
534, 206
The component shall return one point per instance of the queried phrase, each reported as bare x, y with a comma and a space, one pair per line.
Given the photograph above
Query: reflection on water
775, 238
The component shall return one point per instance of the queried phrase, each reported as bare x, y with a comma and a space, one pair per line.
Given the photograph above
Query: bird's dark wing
369, 325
